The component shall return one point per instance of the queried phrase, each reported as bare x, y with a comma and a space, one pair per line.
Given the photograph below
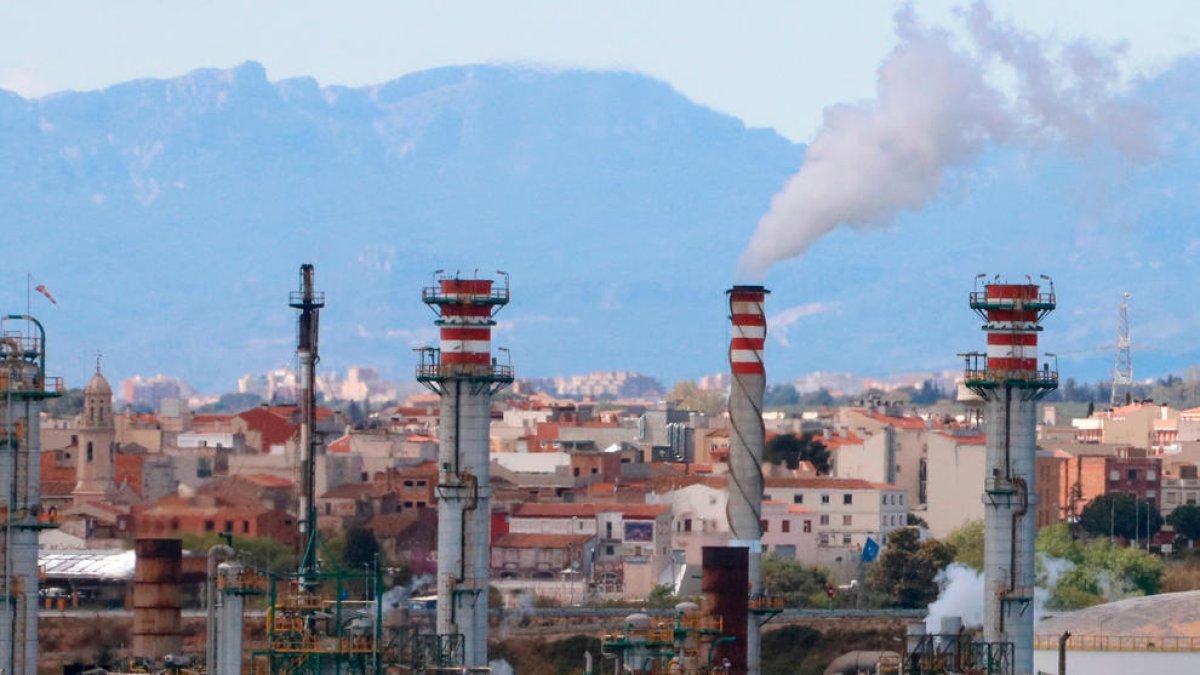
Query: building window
808, 526
824, 518
797, 498
824, 499
1114, 475
575, 471
89, 451
1132, 473
408, 483
1151, 475
901, 499
847, 519
229, 526
845, 540
766, 526
608, 530
209, 526
847, 498
595, 471
245, 527
787, 525
687, 524
823, 539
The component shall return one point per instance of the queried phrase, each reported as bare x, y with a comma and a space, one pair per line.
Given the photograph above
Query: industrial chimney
23, 389
1009, 381
464, 374
746, 441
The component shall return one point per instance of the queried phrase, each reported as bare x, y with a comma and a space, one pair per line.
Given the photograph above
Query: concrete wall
955, 484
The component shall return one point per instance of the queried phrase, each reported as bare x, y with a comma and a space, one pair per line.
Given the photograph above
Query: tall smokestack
309, 302
1008, 379
464, 374
746, 441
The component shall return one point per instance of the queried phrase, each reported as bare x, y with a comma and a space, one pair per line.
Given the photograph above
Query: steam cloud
935, 110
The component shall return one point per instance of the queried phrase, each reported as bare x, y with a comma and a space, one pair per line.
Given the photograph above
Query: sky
772, 63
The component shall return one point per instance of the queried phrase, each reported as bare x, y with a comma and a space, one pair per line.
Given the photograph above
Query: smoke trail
936, 110
962, 592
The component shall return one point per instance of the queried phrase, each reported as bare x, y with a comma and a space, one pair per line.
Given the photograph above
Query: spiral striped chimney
746, 435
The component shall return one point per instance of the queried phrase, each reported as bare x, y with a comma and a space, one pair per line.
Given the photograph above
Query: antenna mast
1122, 375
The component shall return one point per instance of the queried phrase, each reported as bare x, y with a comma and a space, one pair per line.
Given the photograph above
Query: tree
266, 554
362, 548
916, 521
791, 450
1186, 521
928, 394
968, 544
797, 584
907, 571
1120, 515
689, 396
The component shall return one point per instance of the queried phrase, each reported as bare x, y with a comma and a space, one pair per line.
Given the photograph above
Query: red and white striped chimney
466, 325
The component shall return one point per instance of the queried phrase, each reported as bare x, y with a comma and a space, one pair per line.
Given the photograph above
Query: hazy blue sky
773, 63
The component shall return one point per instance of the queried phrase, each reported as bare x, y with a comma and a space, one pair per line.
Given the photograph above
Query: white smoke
962, 596
501, 667
936, 109
963, 592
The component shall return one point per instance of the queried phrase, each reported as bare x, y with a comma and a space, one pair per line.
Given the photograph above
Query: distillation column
23, 388
1007, 377
464, 374
746, 440
309, 302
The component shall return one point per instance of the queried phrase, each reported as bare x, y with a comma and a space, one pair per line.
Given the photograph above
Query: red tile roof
267, 480
342, 444
531, 540
275, 430
899, 422
637, 511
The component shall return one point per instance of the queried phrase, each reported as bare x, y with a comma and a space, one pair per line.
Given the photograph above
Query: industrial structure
1008, 379
462, 371
746, 440
309, 302
24, 387
1122, 374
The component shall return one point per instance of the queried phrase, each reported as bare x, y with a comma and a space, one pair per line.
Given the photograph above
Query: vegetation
266, 554
1095, 571
798, 584
1120, 515
908, 568
361, 549
67, 405
791, 450
968, 544
689, 396
1186, 521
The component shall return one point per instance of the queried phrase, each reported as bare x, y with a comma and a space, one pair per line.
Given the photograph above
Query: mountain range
169, 219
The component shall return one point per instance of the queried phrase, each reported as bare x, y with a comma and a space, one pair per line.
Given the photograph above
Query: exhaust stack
1009, 381
746, 439
464, 374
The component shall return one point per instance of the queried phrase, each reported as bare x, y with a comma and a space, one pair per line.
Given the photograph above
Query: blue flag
870, 550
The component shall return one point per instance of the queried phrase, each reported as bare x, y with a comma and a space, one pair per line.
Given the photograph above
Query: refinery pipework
746, 440
23, 388
463, 373
1008, 379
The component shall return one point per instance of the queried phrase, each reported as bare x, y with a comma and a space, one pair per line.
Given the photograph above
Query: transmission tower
1122, 375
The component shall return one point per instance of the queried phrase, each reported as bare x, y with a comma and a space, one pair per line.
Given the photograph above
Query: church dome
98, 385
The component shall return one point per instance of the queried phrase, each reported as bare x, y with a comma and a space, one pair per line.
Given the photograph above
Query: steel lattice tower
1122, 375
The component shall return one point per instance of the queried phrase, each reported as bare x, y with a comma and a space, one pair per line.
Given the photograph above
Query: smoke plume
936, 109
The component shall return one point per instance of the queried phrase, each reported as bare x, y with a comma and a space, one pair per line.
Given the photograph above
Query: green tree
1186, 521
968, 544
361, 550
689, 396
266, 554
67, 405
1120, 515
907, 571
796, 583
791, 450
